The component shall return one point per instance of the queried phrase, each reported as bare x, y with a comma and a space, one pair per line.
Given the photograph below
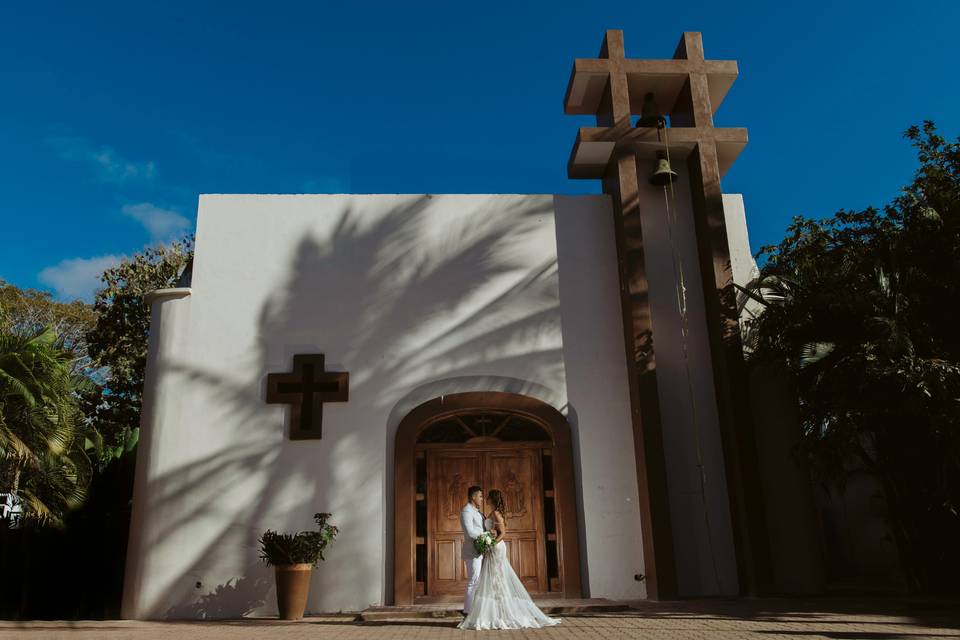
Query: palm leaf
751, 293
813, 352
40, 424
13, 386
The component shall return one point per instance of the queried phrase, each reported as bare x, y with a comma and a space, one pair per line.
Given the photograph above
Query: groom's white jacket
471, 521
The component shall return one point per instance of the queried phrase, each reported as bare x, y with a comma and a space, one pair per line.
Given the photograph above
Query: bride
501, 601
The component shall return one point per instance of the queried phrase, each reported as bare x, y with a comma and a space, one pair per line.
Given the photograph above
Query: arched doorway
512, 442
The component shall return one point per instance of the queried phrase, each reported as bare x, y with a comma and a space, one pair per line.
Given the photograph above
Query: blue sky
115, 115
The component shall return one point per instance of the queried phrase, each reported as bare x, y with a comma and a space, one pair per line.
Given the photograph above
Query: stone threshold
557, 607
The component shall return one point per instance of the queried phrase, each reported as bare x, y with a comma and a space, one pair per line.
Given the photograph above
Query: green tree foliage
117, 343
71, 379
861, 308
45, 441
42, 433
26, 311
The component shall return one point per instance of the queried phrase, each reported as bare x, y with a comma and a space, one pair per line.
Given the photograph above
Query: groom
471, 521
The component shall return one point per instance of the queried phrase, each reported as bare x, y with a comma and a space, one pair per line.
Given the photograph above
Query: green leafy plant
71, 379
28, 311
42, 433
305, 547
860, 308
117, 343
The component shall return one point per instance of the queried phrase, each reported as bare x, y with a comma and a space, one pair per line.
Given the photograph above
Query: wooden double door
517, 473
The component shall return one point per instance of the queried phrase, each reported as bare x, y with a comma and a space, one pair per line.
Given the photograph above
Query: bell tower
653, 201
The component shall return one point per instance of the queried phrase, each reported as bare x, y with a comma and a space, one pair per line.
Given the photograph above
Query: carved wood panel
449, 474
517, 473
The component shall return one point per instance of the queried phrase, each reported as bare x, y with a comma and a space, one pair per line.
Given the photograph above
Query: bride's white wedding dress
501, 601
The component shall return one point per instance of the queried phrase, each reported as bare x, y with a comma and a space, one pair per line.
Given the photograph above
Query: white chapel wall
599, 408
414, 295
148, 565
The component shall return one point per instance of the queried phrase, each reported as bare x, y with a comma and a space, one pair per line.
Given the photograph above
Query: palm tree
42, 458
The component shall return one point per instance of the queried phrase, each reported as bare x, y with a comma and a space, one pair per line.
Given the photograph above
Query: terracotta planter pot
293, 586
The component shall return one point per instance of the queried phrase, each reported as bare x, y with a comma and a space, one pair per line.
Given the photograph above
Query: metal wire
681, 290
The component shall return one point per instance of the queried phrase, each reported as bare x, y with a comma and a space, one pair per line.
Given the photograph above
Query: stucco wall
157, 457
414, 295
599, 408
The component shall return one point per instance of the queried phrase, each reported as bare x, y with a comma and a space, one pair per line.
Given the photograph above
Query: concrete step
556, 607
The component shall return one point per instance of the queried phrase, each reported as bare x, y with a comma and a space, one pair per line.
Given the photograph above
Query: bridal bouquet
484, 543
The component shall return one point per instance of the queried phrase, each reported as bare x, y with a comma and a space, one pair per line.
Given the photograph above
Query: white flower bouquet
484, 543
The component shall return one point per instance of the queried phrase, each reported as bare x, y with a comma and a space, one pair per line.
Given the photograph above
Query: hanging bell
650, 115
663, 174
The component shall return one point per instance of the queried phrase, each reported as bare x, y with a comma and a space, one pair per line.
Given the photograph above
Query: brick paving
880, 619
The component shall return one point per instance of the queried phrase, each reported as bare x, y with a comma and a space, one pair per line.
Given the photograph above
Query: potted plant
293, 556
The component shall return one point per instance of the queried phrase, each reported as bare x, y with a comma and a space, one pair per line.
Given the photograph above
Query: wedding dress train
501, 601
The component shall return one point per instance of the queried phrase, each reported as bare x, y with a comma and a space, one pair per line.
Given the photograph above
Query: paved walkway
550, 606
875, 619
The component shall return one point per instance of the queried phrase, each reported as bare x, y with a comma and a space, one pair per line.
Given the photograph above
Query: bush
858, 308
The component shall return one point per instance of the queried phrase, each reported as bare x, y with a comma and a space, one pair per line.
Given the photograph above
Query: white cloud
163, 224
78, 277
108, 165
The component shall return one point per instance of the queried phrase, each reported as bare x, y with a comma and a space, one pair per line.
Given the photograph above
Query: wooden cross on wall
305, 389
